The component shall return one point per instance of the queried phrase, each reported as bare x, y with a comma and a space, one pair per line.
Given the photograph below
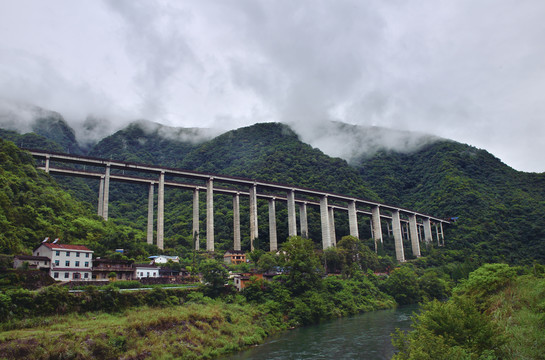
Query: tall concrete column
437, 235
303, 220
353, 219
150, 213
106, 193
398, 240
210, 215
442, 234
196, 227
254, 230
101, 197
324, 220
292, 217
47, 164
236, 222
273, 240
413, 229
427, 231
333, 237
161, 211
376, 225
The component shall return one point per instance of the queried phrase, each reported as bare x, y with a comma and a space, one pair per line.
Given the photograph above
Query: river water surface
365, 336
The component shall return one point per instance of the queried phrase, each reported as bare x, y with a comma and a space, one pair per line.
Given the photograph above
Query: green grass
193, 331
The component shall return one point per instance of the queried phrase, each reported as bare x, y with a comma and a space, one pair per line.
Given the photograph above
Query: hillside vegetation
499, 210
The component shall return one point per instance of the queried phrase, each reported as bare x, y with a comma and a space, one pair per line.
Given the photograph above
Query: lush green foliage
499, 209
495, 314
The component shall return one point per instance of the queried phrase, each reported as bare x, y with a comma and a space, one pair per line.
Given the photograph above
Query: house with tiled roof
68, 262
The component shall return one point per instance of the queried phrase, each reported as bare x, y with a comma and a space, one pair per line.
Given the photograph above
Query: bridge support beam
376, 225
292, 217
303, 220
161, 211
398, 239
273, 240
150, 213
196, 227
236, 222
353, 219
47, 164
324, 220
254, 230
413, 229
100, 206
210, 215
427, 231
333, 236
106, 196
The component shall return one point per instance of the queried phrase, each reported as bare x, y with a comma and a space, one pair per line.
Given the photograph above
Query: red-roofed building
68, 262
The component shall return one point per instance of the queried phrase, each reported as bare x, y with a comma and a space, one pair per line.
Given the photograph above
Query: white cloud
467, 70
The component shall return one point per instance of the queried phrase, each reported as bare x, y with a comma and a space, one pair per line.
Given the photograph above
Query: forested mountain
499, 210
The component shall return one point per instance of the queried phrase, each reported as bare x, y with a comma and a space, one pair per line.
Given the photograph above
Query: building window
77, 253
68, 253
56, 275
86, 255
86, 275
66, 275
76, 276
57, 262
148, 273
87, 264
77, 263
67, 263
58, 253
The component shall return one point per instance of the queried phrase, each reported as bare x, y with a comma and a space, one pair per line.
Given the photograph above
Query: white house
163, 259
68, 262
146, 271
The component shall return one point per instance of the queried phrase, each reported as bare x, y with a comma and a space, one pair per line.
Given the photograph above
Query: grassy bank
191, 331
498, 313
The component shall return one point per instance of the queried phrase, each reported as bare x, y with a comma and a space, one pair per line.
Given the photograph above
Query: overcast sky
469, 70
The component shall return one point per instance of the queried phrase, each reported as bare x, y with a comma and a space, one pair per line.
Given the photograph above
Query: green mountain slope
499, 209
33, 206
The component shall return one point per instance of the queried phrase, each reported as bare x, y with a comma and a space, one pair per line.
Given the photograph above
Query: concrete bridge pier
427, 231
161, 211
303, 219
398, 239
47, 163
413, 229
106, 195
100, 206
236, 222
253, 216
324, 220
353, 219
333, 236
196, 227
150, 213
273, 240
376, 226
292, 217
210, 215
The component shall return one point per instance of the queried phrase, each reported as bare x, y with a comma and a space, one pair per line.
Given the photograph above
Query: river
364, 336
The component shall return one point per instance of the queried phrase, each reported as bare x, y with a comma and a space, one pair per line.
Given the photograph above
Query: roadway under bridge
400, 223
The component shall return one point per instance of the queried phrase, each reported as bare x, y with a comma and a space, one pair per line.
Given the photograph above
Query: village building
163, 259
67, 262
34, 262
123, 269
234, 257
146, 271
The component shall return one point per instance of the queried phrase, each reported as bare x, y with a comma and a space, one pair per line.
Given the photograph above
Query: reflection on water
365, 336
